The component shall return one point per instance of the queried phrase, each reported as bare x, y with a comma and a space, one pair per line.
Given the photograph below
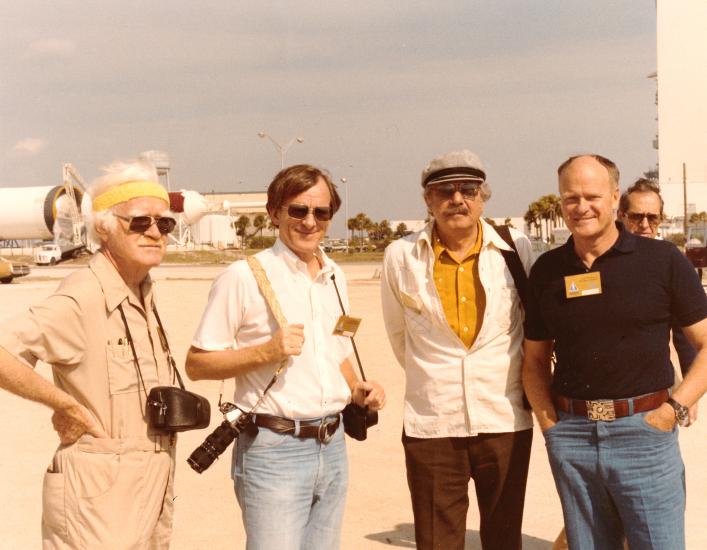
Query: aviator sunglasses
140, 224
446, 190
637, 218
300, 211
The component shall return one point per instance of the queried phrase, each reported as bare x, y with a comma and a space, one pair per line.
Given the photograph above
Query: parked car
696, 247
9, 270
335, 245
51, 254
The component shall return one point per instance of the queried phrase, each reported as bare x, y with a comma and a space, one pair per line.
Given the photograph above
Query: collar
625, 244
114, 288
295, 264
489, 236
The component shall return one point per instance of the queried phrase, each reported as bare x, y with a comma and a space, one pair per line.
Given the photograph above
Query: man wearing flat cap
453, 316
110, 482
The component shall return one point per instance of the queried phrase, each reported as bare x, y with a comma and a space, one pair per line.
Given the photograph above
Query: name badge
586, 284
347, 326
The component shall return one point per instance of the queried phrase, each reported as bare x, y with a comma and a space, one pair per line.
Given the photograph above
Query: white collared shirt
452, 390
236, 316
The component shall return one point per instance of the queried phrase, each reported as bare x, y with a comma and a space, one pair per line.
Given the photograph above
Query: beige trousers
109, 494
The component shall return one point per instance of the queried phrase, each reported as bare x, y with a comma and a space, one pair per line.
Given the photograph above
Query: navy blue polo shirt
614, 344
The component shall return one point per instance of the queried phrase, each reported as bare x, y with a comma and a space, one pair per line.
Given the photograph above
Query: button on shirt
237, 316
460, 289
451, 389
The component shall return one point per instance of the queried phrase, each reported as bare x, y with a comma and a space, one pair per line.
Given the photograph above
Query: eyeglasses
637, 218
446, 190
140, 224
300, 211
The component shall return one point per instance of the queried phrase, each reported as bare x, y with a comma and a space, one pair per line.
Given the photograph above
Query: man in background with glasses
641, 211
290, 468
453, 316
110, 482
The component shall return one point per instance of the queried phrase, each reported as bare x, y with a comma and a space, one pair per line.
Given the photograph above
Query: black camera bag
357, 420
169, 408
174, 409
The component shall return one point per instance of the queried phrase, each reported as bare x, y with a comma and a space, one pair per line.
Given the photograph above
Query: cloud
29, 146
51, 48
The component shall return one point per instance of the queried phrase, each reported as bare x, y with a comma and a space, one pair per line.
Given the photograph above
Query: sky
375, 89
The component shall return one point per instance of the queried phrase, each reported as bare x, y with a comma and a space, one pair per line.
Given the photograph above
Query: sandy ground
378, 511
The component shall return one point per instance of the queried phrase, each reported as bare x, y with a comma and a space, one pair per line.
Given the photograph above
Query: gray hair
116, 173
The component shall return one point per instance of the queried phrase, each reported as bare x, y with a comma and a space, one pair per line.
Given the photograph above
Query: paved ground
378, 512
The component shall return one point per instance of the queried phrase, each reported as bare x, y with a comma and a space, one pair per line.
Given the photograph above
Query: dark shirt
614, 344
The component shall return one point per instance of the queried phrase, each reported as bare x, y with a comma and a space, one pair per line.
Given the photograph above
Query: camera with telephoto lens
235, 421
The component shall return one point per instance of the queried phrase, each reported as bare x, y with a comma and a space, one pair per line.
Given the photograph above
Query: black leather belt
611, 409
321, 428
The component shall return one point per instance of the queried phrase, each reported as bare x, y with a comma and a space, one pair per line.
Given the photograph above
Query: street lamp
282, 149
346, 210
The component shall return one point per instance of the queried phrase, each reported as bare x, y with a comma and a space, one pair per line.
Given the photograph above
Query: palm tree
259, 224
401, 229
351, 226
384, 230
241, 224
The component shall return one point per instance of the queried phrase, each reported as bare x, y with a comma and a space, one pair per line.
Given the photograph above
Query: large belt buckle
323, 434
601, 409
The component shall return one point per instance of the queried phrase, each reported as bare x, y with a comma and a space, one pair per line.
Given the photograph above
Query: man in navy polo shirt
605, 301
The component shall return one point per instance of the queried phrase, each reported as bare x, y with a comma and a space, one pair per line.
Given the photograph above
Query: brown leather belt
321, 428
611, 409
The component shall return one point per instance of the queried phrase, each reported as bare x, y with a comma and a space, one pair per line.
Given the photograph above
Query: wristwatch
682, 414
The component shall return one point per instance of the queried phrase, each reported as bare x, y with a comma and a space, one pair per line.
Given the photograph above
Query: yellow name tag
585, 284
347, 326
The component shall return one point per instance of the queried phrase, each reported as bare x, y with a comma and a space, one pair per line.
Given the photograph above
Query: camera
235, 421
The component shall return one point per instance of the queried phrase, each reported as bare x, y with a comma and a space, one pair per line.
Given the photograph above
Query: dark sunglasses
446, 190
140, 224
300, 211
637, 218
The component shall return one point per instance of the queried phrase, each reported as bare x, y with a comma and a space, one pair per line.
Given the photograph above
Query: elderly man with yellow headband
109, 484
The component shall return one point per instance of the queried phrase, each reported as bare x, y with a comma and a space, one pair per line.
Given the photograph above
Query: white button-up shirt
237, 316
452, 390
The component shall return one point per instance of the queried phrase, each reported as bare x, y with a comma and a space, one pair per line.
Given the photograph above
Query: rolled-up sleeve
52, 332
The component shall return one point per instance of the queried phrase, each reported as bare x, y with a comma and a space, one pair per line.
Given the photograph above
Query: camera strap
266, 289
165, 346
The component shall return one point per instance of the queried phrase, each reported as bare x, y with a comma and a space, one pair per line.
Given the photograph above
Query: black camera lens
212, 447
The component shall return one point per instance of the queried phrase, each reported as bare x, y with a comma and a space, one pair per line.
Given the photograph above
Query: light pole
346, 210
282, 149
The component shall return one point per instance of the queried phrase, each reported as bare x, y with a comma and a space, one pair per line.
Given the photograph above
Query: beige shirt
79, 331
452, 390
236, 316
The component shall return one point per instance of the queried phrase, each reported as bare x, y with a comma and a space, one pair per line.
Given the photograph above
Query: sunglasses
637, 218
446, 190
140, 224
300, 211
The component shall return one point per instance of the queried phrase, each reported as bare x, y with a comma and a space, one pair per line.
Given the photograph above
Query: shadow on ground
403, 536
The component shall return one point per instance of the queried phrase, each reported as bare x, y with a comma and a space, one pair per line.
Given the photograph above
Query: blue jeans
618, 477
291, 491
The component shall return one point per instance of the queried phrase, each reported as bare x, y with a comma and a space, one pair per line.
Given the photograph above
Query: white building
682, 103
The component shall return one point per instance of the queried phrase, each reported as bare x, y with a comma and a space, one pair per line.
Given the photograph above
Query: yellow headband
127, 191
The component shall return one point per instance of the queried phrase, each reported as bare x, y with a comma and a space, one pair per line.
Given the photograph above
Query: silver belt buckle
323, 434
602, 409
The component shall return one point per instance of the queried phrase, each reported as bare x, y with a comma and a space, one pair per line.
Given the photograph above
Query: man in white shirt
290, 467
453, 316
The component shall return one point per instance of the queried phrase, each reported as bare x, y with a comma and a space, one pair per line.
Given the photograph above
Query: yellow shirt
460, 290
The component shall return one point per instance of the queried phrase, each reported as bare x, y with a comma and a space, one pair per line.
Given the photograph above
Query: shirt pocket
417, 319
122, 372
506, 309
